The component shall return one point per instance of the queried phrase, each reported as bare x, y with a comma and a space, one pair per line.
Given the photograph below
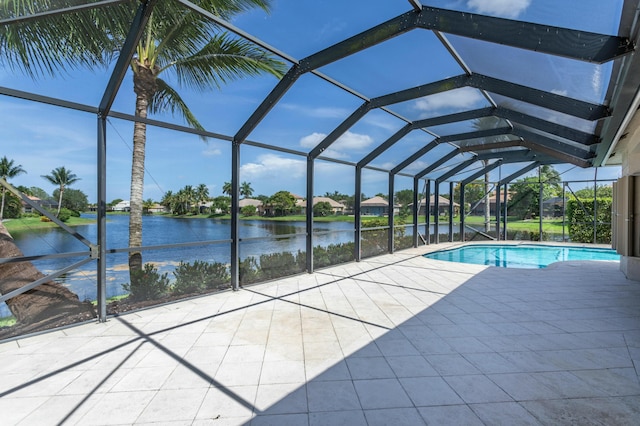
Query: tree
41, 305
323, 208
183, 42
73, 199
602, 191
8, 170
404, 197
245, 190
248, 210
147, 205
202, 195
63, 178
222, 203
226, 188
38, 192
282, 202
525, 202
473, 194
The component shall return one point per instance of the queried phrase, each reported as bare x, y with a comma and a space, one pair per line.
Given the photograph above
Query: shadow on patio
398, 339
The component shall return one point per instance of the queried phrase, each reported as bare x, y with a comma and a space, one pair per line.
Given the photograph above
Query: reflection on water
160, 230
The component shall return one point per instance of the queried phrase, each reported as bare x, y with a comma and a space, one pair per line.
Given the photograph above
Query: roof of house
334, 203
249, 202
376, 201
441, 201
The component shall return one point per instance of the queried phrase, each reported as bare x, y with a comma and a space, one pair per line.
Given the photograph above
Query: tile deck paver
394, 339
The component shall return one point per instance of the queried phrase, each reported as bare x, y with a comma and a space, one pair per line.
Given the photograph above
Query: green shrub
333, 254
249, 270
65, 214
147, 284
276, 265
580, 218
248, 210
200, 276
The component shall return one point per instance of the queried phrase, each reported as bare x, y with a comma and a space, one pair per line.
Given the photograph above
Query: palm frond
51, 43
228, 8
223, 60
167, 99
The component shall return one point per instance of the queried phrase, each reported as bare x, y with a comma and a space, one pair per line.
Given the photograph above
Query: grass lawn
548, 225
26, 223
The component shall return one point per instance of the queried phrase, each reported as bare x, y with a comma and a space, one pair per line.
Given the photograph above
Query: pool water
521, 256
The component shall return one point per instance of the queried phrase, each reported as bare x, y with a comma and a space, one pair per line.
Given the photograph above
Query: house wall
626, 235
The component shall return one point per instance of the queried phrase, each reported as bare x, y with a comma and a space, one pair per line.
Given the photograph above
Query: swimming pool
521, 256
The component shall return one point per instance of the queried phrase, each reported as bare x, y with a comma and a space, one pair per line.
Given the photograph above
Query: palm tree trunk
60, 201
143, 86
46, 303
137, 183
4, 191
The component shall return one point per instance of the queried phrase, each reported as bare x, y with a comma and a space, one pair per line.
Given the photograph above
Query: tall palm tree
226, 188
246, 190
8, 170
63, 178
202, 195
183, 43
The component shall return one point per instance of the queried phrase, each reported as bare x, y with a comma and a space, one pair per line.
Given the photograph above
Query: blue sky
41, 137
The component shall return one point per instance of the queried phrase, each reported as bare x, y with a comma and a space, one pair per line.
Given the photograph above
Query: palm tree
8, 170
246, 190
202, 195
147, 205
226, 188
184, 43
63, 178
42, 305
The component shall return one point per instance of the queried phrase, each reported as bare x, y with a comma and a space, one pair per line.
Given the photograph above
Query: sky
41, 137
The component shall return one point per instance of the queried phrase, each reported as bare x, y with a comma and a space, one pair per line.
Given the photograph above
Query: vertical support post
595, 206
540, 201
462, 218
451, 212
102, 219
235, 224
498, 212
504, 228
416, 231
564, 210
391, 218
310, 164
427, 209
436, 215
357, 202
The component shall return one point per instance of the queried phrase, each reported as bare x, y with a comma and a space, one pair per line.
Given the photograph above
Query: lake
159, 230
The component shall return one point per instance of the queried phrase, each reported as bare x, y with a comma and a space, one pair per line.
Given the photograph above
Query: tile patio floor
393, 340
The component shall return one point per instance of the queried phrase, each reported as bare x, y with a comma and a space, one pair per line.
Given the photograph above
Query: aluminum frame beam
546, 126
415, 156
479, 173
569, 43
546, 142
519, 173
438, 163
553, 101
457, 169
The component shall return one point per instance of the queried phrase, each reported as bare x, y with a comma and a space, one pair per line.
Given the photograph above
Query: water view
160, 230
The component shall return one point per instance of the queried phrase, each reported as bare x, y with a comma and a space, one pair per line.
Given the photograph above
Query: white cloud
463, 98
345, 144
211, 152
560, 92
273, 167
318, 112
503, 8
